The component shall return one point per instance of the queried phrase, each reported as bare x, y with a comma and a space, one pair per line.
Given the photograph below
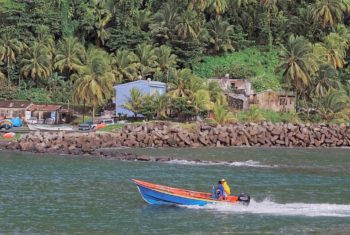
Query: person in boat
226, 189
223, 190
220, 191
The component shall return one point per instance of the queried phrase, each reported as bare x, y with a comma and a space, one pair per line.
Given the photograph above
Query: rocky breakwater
164, 135
96, 144
264, 134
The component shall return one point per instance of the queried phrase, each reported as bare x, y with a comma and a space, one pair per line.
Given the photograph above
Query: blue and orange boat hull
156, 194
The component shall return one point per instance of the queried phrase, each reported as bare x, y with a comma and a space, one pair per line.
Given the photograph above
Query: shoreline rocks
163, 135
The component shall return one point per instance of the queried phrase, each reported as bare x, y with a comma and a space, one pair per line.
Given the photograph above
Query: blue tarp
16, 122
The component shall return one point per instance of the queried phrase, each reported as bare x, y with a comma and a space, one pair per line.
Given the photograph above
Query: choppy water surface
294, 191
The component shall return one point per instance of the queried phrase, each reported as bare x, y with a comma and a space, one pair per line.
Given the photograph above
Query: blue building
146, 87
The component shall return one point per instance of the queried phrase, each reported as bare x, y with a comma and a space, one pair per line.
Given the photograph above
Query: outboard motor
244, 198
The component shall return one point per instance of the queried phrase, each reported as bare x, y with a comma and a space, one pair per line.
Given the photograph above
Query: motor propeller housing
244, 198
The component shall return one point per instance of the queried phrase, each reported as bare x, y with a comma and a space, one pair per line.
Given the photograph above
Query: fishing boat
156, 194
6, 124
47, 127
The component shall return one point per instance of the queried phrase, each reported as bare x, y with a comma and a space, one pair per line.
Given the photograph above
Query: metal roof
44, 108
11, 104
151, 83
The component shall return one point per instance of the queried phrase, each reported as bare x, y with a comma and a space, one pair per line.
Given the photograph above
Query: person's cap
223, 180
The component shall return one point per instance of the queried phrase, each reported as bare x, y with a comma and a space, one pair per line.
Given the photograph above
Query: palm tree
215, 91
93, 83
179, 82
298, 63
2, 76
165, 58
134, 103
189, 26
182, 83
199, 4
165, 21
219, 6
142, 19
333, 104
333, 50
303, 24
220, 33
124, 65
36, 62
330, 12
201, 100
161, 103
241, 3
146, 59
70, 55
103, 18
325, 81
9, 48
45, 38
270, 6
220, 113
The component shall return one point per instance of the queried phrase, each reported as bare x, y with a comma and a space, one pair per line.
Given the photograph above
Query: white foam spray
272, 208
248, 163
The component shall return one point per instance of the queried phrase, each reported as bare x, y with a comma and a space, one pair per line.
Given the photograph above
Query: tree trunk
8, 73
19, 82
84, 112
270, 32
297, 101
93, 113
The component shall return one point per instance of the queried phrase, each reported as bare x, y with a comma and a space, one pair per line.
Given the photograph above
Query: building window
283, 101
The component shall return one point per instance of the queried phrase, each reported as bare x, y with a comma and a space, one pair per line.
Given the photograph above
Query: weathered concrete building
11, 109
278, 101
240, 95
48, 114
238, 91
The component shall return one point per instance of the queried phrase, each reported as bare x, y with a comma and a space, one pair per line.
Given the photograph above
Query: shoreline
98, 144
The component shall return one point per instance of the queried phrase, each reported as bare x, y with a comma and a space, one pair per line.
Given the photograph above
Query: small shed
278, 101
49, 114
11, 109
146, 87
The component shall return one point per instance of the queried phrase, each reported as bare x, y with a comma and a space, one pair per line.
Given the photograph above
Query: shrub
221, 115
256, 115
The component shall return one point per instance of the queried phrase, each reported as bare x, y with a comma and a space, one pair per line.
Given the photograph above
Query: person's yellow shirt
227, 188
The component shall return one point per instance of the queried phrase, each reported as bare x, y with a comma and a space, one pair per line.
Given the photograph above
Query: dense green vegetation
251, 63
60, 50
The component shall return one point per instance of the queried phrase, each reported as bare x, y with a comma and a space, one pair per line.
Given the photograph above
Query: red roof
44, 108
10, 104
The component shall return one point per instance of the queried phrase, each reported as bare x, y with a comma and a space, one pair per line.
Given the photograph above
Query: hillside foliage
60, 50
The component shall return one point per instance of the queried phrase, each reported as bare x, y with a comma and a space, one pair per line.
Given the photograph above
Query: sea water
294, 191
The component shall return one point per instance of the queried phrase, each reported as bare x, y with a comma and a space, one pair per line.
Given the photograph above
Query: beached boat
46, 127
162, 195
6, 124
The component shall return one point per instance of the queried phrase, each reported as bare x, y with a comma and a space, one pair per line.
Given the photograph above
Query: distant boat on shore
46, 127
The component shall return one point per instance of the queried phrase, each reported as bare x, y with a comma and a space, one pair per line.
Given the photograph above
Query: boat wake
249, 163
288, 209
